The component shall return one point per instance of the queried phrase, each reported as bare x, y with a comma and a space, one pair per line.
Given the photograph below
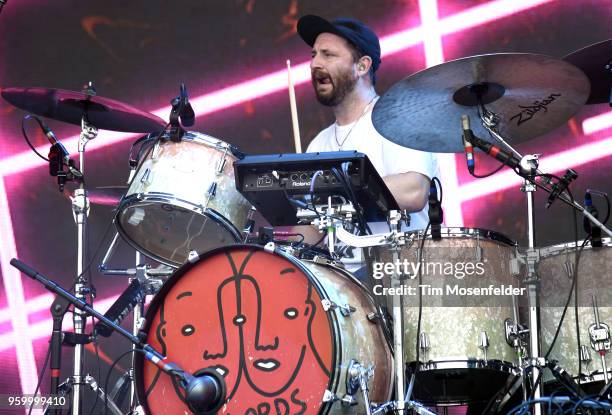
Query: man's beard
342, 85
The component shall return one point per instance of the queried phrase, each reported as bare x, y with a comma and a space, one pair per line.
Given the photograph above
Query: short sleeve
398, 159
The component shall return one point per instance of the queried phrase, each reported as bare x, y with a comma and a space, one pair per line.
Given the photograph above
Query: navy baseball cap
354, 31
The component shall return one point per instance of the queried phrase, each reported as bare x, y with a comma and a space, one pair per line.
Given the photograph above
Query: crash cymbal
592, 60
532, 95
103, 196
70, 106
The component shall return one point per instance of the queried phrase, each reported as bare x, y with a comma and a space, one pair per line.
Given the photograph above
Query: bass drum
282, 332
555, 270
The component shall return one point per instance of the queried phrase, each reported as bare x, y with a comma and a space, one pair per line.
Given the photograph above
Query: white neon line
15, 298
485, 13
551, 164
32, 306
42, 329
434, 55
597, 123
430, 26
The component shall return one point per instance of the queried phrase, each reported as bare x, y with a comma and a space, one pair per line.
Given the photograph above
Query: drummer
345, 58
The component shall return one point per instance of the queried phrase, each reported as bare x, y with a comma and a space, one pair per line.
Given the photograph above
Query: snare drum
183, 198
555, 270
283, 333
463, 353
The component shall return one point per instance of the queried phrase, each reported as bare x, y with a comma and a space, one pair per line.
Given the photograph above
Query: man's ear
364, 64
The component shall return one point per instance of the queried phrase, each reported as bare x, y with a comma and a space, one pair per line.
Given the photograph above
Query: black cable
576, 291
482, 176
420, 277
439, 186
25, 134
110, 371
40, 377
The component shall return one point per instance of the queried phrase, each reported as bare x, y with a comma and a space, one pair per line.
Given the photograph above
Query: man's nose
316, 63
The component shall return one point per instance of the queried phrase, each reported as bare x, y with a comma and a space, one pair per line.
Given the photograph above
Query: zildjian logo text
528, 111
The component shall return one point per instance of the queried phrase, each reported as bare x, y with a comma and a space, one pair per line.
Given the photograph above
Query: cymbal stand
80, 211
151, 282
527, 168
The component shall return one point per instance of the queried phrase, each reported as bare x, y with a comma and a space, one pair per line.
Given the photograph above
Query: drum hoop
334, 380
160, 197
469, 363
569, 247
462, 232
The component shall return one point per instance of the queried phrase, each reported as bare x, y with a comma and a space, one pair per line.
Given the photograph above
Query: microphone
120, 308
593, 231
435, 212
187, 114
506, 157
559, 187
469, 149
205, 391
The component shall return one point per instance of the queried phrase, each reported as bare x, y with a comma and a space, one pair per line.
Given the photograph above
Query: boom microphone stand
204, 394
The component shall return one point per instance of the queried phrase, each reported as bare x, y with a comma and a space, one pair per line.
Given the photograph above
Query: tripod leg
110, 404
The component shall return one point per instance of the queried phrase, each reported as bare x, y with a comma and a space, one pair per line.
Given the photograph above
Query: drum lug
271, 247
483, 343
212, 190
221, 164
345, 310
373, 317
325, 261
193, 257
329, 396
146, 177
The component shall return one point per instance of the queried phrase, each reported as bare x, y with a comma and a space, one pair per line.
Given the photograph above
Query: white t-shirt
388, 158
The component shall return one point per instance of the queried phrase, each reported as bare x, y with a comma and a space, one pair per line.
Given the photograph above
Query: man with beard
345, 57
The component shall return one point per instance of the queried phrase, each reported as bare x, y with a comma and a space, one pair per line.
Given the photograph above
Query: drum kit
280, 327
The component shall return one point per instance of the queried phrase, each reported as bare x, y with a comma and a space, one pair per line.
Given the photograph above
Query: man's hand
410, 190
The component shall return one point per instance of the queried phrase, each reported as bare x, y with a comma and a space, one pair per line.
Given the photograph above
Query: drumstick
294, 117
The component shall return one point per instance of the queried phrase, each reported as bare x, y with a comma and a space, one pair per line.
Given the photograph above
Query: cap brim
311, 26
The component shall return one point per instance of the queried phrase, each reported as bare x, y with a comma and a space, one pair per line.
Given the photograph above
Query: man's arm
410, 190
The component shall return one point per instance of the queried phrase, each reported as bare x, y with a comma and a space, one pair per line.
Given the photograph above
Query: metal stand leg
80, 210
398, 343
532, 282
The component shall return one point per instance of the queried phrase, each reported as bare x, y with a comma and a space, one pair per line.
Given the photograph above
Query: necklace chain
365, 110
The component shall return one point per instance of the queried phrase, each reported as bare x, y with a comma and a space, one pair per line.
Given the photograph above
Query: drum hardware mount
357, 378
346, 310
599, 334
67, 387
483, 343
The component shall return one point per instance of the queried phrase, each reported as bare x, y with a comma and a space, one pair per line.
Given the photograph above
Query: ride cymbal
531, 94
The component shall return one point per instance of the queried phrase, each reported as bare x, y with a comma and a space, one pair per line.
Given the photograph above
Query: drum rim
334, 379
569, 247
464, 362
464, 231
157, 197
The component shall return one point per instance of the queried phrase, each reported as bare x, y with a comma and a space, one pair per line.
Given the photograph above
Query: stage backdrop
231, 55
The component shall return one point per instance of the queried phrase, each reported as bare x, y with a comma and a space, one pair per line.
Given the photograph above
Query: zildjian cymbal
530, 95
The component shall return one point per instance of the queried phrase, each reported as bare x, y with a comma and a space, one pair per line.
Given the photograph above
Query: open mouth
321, 79
266, 365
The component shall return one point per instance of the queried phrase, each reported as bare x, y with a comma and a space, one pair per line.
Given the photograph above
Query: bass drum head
253, 316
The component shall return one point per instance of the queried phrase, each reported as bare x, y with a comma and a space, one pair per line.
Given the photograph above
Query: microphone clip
181, 114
